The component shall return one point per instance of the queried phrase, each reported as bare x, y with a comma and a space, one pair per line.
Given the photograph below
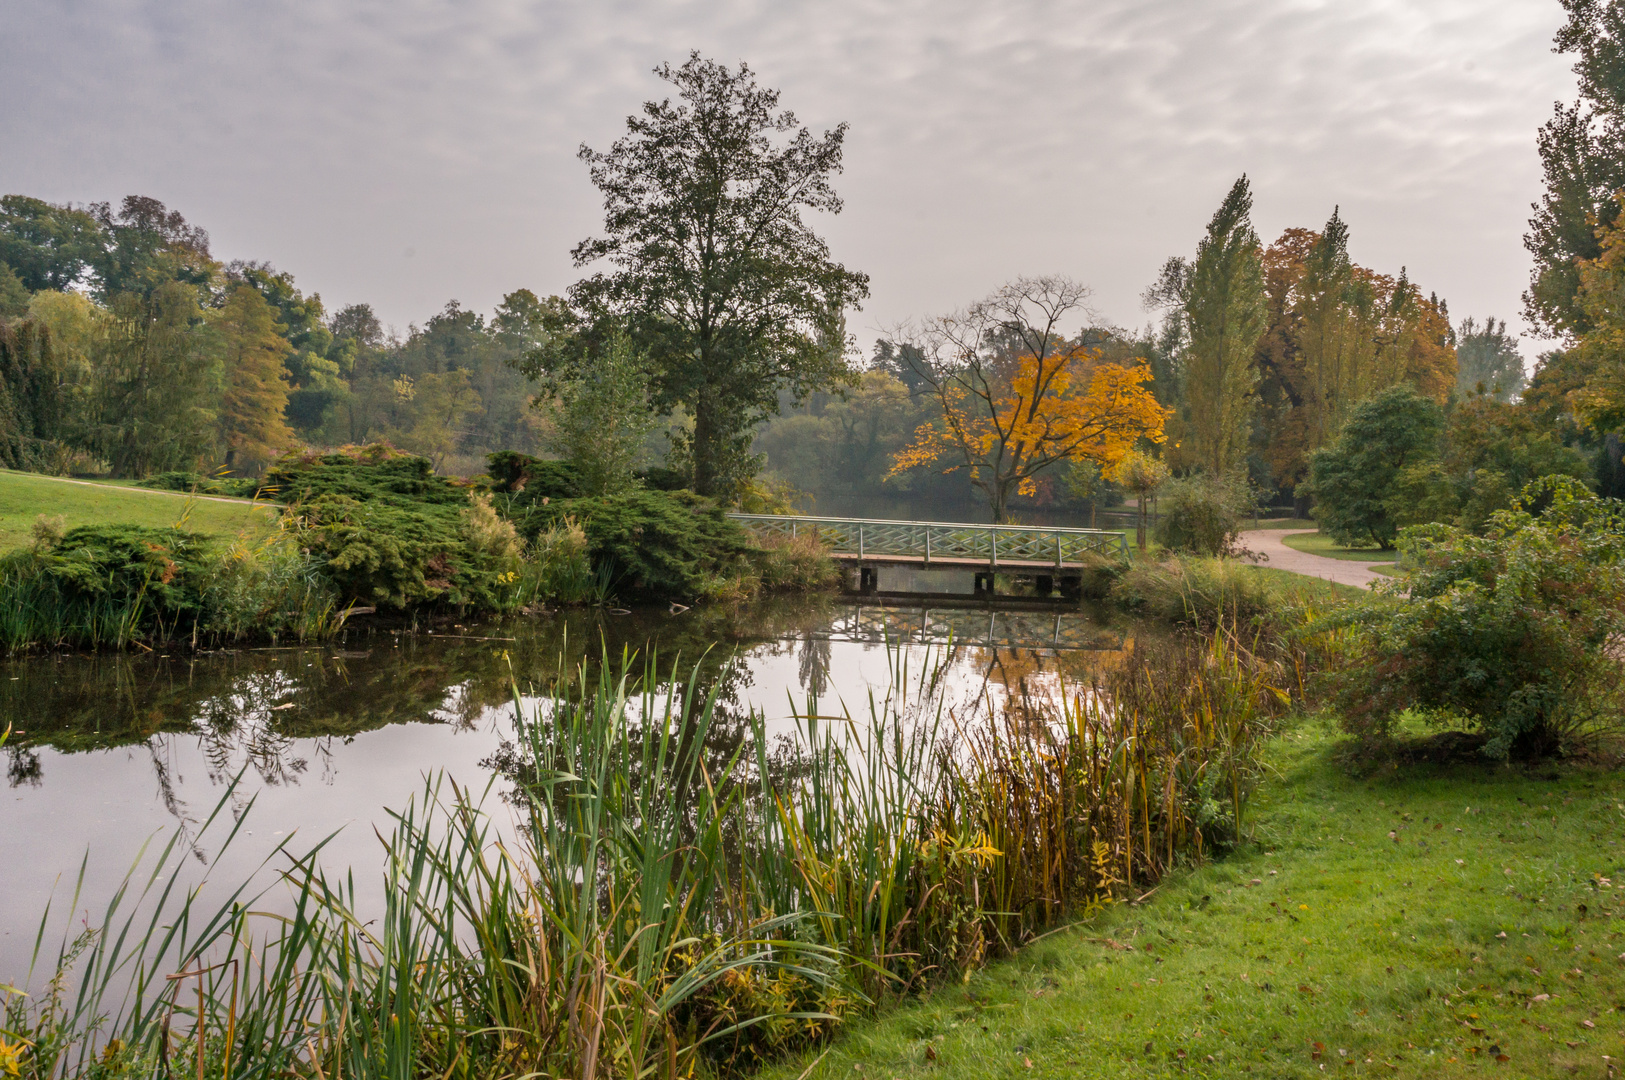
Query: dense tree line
129, 348
710, 328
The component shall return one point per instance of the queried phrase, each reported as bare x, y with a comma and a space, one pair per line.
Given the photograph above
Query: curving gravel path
1269, 542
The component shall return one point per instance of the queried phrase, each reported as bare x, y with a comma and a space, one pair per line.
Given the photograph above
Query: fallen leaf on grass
930, 1053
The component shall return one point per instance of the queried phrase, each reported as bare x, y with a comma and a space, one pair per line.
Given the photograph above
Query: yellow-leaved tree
1015, 396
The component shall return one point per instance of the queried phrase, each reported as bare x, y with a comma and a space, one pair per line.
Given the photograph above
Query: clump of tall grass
667, 906
1209, 593
794, 563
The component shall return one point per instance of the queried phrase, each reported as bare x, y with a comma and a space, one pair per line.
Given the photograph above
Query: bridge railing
931, 540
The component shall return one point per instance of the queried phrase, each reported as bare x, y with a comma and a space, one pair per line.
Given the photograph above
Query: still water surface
109, 752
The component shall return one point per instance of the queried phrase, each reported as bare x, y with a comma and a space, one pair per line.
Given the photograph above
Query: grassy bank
26, 496
1418, 920
1314, 543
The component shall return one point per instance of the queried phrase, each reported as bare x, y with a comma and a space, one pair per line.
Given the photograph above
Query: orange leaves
1064, 406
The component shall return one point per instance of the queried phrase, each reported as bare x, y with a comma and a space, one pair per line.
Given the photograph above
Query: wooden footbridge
1055, 554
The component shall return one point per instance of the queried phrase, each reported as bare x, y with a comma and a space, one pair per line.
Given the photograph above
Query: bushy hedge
1514, 633
1201, 515
391, 533
111, 585
364, 473
657, 541
659, 545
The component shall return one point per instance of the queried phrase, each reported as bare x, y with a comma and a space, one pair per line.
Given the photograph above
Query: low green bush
365, 473
658, 545
1201, 515
390, 533
111, 585
1514, 634
381, 552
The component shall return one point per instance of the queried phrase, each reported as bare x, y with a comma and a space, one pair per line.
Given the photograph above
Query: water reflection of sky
115, 752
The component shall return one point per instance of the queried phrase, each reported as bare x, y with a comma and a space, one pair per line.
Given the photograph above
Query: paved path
1343, 571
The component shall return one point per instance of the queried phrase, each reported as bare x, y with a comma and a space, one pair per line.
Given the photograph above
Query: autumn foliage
1015, 398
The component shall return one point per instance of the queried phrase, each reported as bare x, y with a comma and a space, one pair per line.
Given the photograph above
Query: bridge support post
1044, 584
984, 583
1072, 587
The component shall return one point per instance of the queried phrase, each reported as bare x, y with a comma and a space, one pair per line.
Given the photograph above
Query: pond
109, 752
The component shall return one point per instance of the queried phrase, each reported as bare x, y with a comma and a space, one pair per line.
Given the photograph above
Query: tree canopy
1015, 396
714, 272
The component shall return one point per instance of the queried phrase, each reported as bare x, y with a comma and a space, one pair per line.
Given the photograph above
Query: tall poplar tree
253, 409
1225, 315
1333, 334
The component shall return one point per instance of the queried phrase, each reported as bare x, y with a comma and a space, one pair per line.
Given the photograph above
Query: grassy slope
1320, 544
1331, 948
24, 496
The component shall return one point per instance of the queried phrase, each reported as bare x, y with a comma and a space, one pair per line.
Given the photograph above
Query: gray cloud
411, 152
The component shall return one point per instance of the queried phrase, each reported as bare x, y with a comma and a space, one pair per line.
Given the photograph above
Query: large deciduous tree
32, 398
1487, 360
1355, 477
1015, 396
48, 246
716, 275
157, 383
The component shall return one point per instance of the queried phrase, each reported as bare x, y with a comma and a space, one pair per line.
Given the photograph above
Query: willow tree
32, 401
1015, 396
714, 272
1226, 316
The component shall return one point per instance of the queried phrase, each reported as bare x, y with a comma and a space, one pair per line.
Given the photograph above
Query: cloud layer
412, 152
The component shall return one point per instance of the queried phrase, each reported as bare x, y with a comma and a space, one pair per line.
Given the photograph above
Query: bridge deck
946, 544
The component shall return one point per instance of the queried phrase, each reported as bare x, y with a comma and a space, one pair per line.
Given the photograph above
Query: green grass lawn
25, 496
1423, 921
1316, 589
1320, 544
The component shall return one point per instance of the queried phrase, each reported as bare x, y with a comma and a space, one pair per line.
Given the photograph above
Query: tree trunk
1139, 524
705, 447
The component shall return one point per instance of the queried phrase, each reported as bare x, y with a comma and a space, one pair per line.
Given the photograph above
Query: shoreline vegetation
814, 904
664, 913
372, 531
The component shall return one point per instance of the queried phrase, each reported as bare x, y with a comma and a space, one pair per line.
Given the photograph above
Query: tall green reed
660, 903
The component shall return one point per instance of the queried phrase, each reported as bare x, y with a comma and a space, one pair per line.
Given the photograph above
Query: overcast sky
410, 152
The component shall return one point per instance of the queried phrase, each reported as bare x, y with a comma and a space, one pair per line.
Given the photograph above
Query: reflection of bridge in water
1052, 556
981, 627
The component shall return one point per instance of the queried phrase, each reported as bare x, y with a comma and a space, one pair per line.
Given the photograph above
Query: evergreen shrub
658, 545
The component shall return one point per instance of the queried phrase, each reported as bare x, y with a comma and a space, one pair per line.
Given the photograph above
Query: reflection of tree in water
22, 767
813, 671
